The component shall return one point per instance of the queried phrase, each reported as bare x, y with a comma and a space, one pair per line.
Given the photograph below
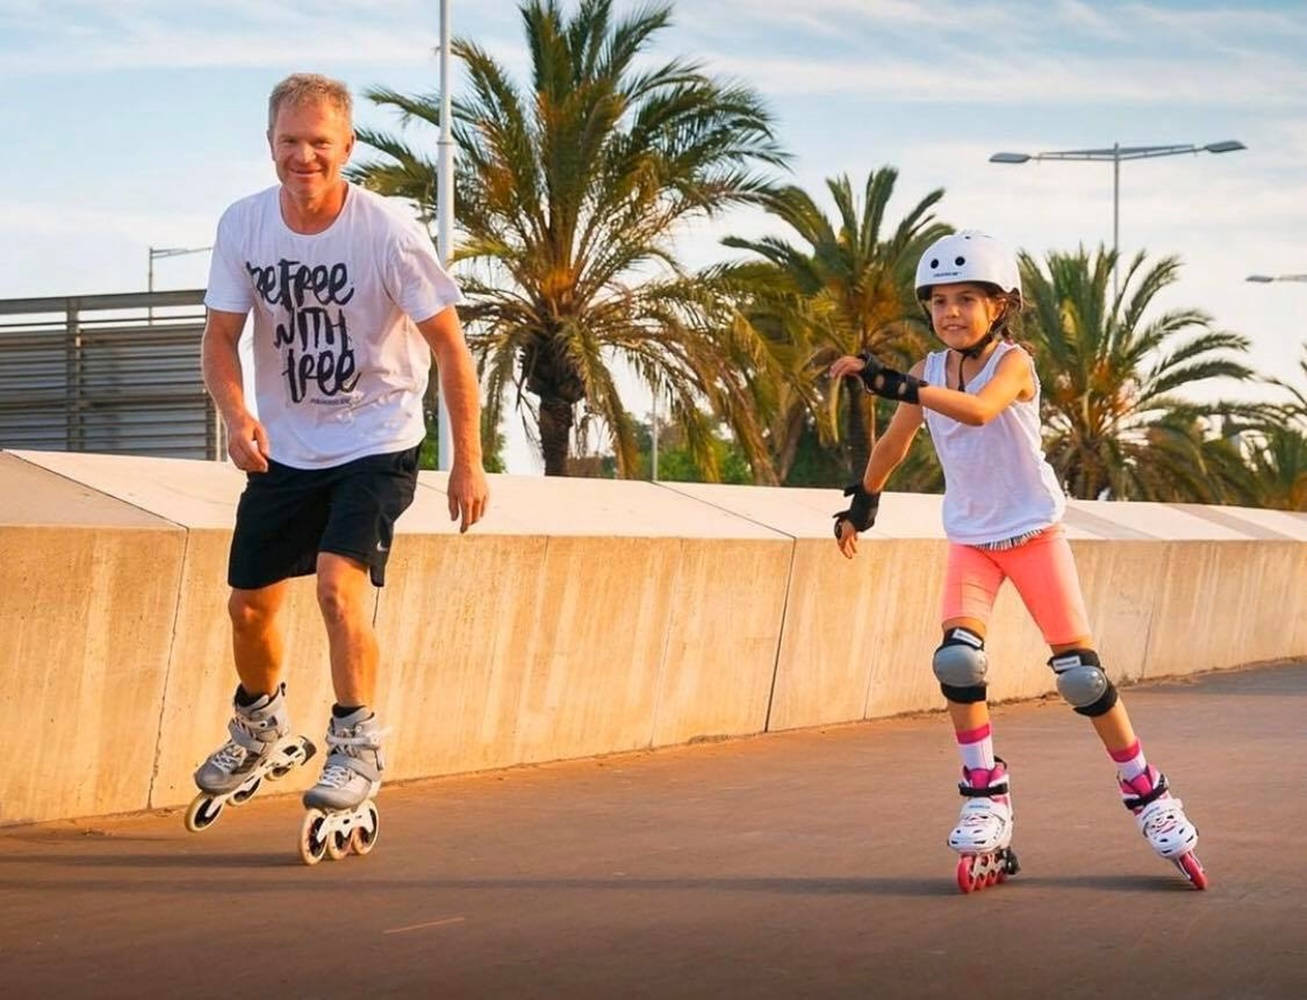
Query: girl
1003, 509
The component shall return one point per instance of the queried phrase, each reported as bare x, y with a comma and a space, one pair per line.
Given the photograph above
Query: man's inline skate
261, 747
1162, 821
342, 815
983, 836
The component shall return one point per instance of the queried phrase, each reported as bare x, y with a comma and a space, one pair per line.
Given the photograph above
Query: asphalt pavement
802, 864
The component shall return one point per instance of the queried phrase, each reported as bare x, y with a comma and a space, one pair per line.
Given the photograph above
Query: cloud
1259, 81
74, 36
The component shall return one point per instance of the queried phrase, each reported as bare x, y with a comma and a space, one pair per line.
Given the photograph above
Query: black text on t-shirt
314, 335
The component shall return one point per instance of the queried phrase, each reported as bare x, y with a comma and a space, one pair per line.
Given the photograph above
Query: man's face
310, 142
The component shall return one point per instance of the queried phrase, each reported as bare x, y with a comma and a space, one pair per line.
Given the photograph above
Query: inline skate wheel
243, 795
1192, 869
364, 836
966, 881
202, 813
313, 842
338, 842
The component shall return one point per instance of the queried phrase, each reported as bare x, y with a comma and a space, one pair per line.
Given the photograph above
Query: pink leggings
1043, 571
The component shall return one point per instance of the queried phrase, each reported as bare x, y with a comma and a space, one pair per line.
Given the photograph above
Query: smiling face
963, 313
311, 141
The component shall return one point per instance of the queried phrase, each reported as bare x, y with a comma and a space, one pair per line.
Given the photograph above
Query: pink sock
1130, 761
976, 747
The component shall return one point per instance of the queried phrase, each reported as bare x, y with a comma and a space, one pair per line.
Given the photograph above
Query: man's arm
468, 491
247, 441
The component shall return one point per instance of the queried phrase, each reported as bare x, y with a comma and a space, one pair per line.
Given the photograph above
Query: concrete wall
581, 617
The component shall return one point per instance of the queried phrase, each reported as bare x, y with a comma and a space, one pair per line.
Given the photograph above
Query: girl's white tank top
997, 484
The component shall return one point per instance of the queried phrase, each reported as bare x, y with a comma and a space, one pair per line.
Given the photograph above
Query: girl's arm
889, 450
1013, 380
892, 446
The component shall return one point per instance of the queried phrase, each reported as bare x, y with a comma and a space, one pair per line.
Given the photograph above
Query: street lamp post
444, 216
653, 451
1264, 279
155, 254
1116, 154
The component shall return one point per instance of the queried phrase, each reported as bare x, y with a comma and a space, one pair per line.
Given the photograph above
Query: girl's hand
846, 366
848, 540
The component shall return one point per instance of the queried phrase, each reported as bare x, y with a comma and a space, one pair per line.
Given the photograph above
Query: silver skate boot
342, 815
260, 746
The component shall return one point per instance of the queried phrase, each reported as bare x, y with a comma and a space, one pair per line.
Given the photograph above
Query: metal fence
107, 373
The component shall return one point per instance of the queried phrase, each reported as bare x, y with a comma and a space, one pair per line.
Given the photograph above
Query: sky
135, 123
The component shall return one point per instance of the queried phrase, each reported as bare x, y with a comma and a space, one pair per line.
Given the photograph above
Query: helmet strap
978, 348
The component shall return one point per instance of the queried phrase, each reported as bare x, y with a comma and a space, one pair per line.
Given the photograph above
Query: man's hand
247, 443
468, 494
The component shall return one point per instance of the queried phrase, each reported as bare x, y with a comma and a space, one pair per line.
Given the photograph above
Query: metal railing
107, 373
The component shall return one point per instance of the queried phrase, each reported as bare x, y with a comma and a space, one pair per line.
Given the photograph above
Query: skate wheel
1010, 864
966, 880
243, 795
1192, 869
202, 813
313, 845
337, 844
364, 836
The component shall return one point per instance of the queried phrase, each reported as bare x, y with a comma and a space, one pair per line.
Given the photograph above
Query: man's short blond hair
300, 88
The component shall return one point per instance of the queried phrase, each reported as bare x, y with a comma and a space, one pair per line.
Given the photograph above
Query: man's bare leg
256, 639
346, 600
352, 771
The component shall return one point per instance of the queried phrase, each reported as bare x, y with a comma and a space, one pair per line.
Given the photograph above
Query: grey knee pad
961, 665
1082, 683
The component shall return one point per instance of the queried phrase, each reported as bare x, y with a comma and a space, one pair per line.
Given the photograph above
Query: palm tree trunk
555, 434
793, 434
859, 432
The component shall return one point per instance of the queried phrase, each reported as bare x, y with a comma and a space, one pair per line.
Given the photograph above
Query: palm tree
1114, 422
568, 195
1276, 450
848, 287
1278, 463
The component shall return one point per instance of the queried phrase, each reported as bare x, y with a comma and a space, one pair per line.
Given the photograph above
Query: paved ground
790, 865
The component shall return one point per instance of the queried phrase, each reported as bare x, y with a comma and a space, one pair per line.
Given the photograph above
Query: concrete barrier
86, 625
581, 617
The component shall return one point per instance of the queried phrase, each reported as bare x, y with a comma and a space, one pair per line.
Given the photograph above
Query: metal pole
1116, 218
149, 286
653, 453
445, 213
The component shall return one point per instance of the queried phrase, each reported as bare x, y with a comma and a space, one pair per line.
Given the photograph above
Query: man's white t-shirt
339, 364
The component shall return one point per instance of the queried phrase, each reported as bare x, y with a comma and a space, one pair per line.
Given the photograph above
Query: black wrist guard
862, 509
888, 383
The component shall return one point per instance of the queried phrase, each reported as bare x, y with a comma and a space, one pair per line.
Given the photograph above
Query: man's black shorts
286, 516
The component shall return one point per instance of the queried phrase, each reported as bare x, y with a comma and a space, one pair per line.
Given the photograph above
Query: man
349, 302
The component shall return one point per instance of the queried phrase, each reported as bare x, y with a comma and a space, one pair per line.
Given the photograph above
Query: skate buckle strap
340, 767
988, 792
1137, 802
372, 742
247, 733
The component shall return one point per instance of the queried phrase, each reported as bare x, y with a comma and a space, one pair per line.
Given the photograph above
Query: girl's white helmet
967, 256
